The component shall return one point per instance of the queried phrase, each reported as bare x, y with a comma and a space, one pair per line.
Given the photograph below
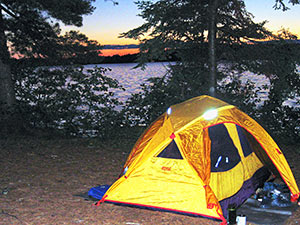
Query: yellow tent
197, 158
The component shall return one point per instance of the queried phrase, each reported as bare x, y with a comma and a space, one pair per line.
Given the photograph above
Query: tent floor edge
161, 209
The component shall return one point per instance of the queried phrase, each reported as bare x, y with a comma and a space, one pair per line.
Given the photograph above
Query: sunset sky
108, 20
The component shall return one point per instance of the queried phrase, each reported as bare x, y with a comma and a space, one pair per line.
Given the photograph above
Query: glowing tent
197, 158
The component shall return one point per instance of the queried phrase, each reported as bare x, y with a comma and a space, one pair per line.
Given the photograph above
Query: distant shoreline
109, 54
112, 59
131, 46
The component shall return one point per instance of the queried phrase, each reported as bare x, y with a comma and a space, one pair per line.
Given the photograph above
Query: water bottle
231, 215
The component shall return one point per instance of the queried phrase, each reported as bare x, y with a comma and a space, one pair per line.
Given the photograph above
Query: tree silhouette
281, 4
30, 28
200, 33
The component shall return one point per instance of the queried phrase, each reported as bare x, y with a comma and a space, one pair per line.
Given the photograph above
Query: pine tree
200, 33
27, 29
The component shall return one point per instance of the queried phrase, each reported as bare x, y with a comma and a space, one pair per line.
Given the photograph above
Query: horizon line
120, 46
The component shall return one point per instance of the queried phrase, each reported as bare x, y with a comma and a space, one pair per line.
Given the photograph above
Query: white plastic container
241, 220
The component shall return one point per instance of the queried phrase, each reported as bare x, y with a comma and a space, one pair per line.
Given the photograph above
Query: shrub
70, 100
280, 120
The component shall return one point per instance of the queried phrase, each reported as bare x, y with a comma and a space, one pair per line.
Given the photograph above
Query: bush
180, 84
144, 107
69, 100
280, 120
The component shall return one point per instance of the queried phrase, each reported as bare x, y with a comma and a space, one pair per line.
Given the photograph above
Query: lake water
131, 78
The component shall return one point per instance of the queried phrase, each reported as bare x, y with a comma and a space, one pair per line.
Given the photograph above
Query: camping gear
274, 194
241, 220
98, 192
267, 216
198, 158
231, 214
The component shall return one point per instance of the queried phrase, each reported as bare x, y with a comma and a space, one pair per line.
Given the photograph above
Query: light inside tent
210, 114
169, 111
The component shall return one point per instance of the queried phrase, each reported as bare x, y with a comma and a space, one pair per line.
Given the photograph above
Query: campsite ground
39, 178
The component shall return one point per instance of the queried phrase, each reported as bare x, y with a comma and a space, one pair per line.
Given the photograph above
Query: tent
198, 158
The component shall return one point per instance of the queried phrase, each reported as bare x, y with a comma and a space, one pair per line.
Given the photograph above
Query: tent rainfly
198, 158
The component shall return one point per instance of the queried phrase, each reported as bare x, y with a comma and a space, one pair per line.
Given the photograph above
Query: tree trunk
213, 4
7, 91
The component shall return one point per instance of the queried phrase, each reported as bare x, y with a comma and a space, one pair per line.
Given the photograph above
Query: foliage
280, 118
144, 107
29, 25
280, 4
30, 29
75, 47
69, 99
154, 99
181, 27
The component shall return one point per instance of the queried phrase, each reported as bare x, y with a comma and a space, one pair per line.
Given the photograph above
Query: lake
131, 78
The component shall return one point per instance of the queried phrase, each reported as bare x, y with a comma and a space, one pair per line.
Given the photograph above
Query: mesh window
171, 152
224, 155
247, 150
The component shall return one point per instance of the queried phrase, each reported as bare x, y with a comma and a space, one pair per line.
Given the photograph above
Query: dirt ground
39, 178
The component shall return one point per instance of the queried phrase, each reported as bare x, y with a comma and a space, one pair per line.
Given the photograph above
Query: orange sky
111, 52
